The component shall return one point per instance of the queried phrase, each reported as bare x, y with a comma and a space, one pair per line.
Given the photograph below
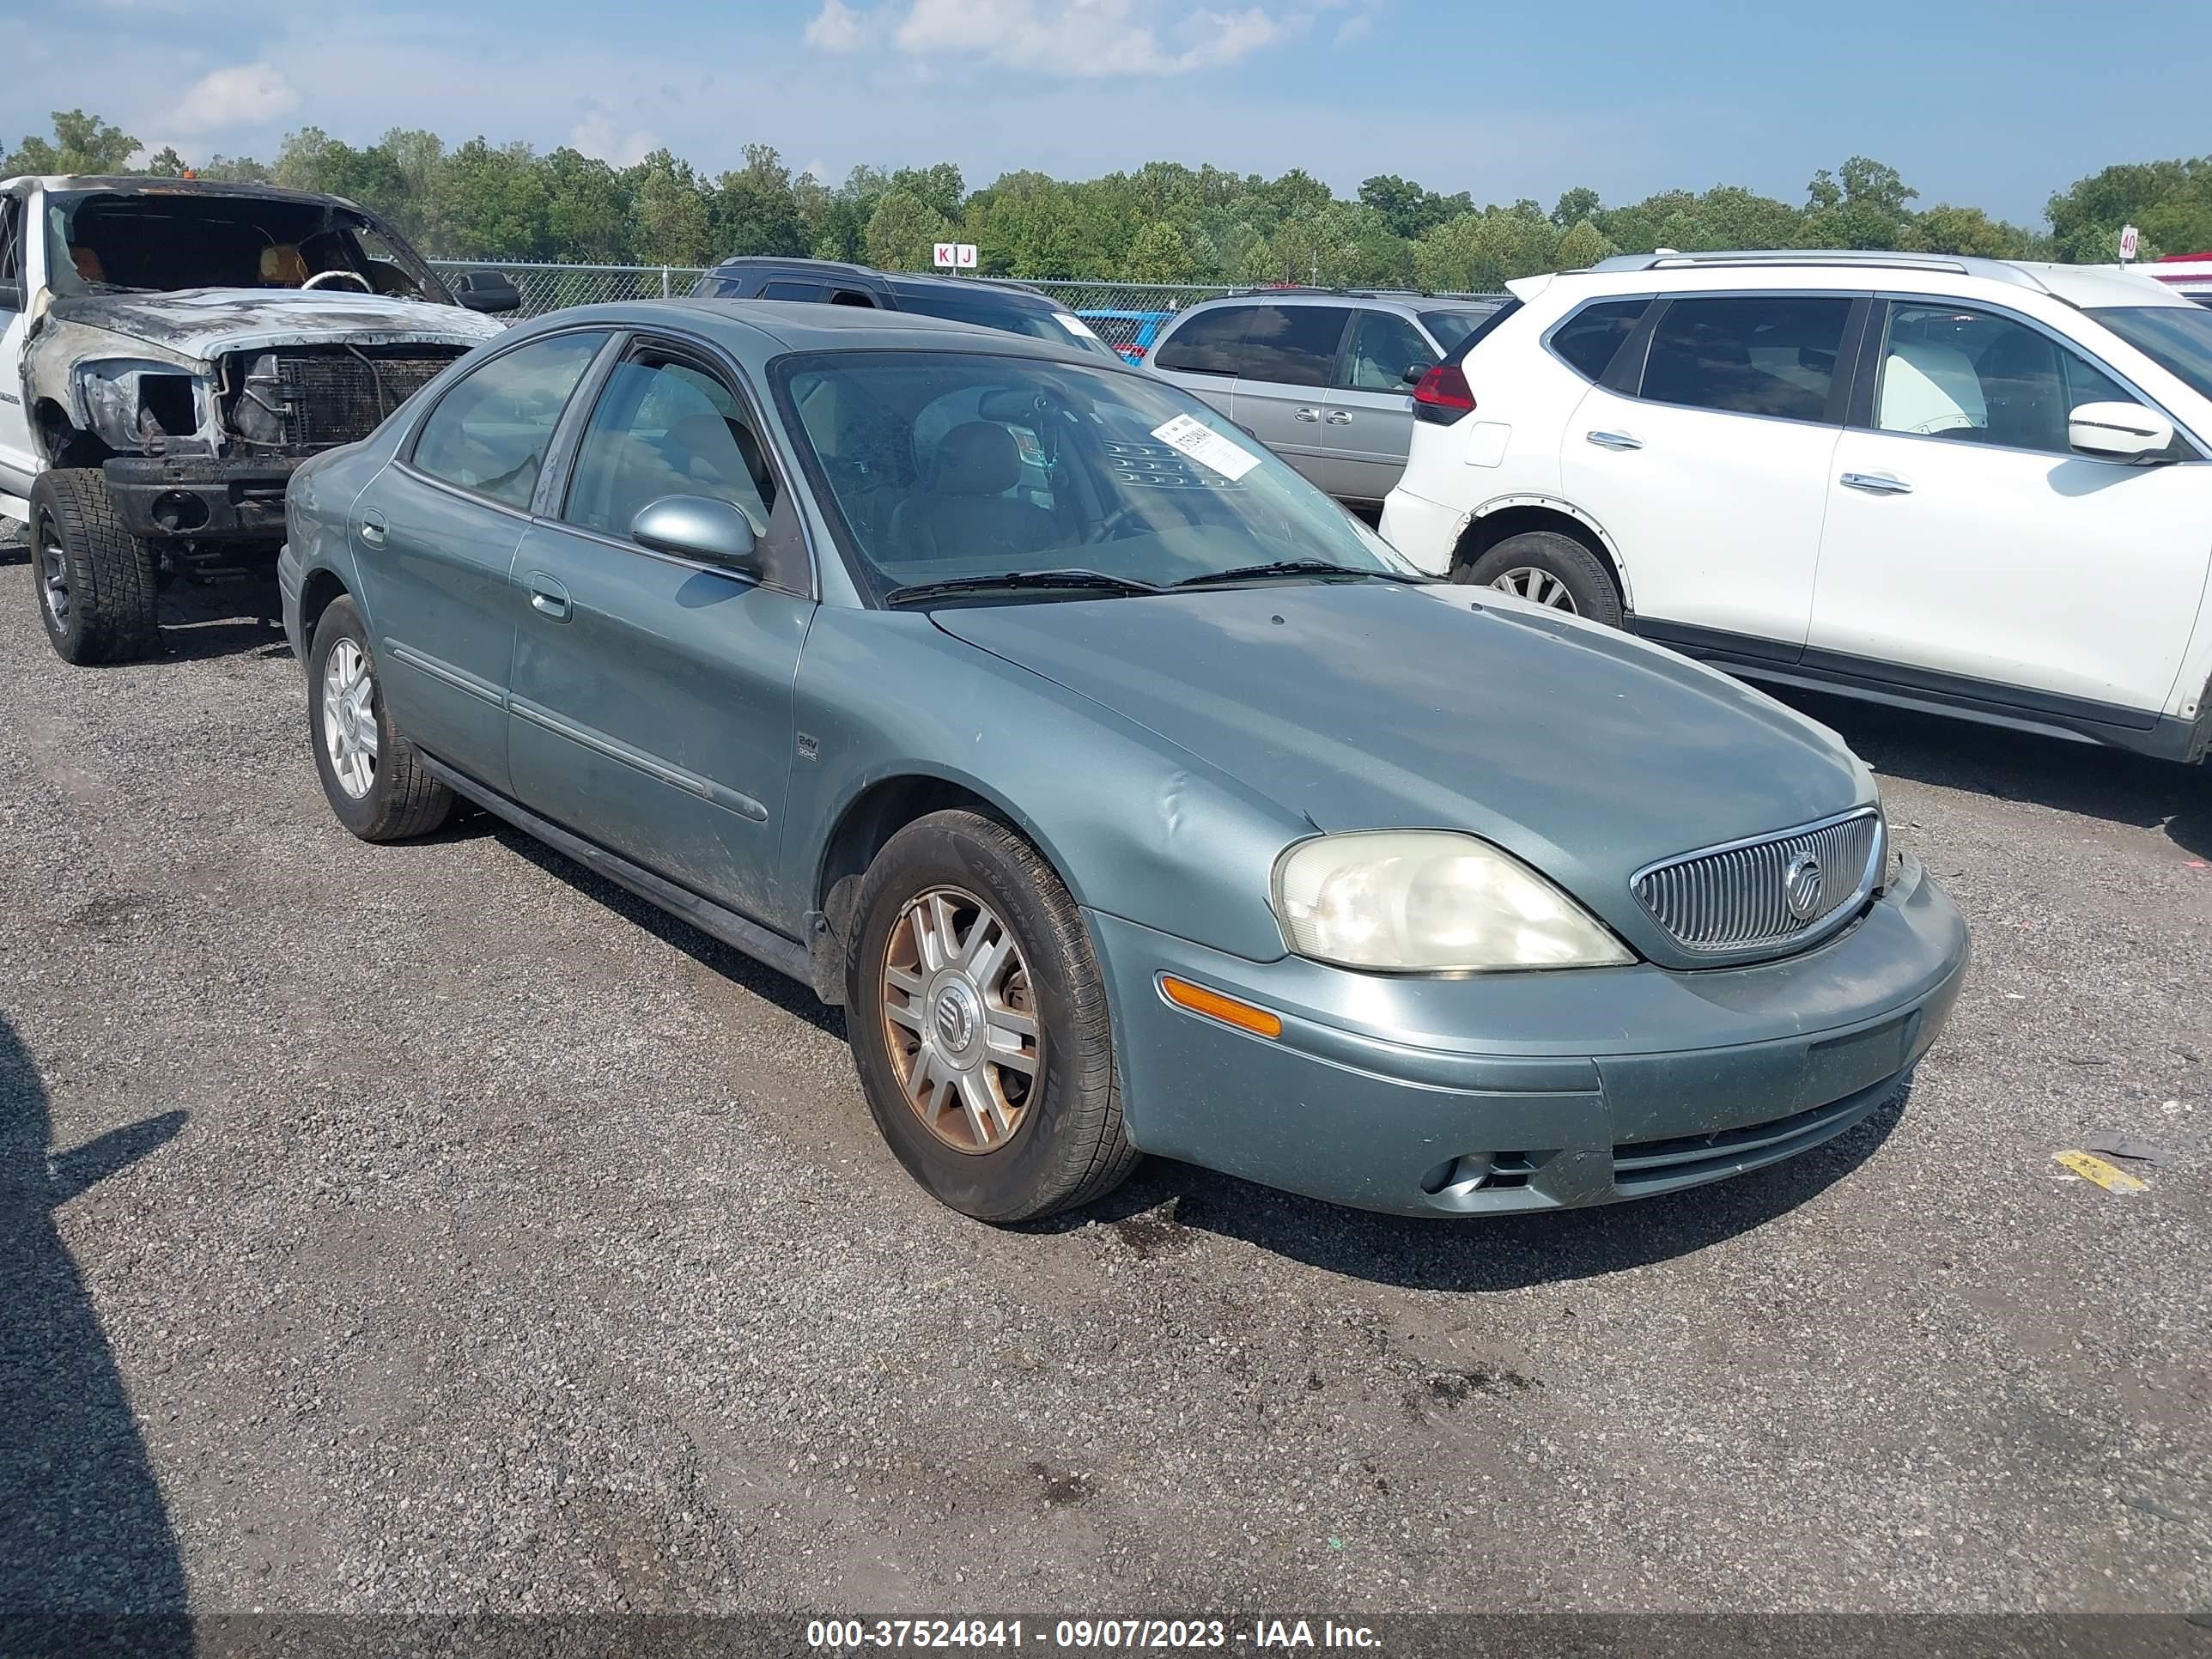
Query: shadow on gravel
82, 1527
1504, 1253
709, 951
223, 619
2068, 777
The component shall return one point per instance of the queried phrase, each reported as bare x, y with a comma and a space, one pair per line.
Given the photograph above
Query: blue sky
1987, 104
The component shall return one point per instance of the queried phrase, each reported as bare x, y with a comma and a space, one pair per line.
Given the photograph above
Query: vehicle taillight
1443, 395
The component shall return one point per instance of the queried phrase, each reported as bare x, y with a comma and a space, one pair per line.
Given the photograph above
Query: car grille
326, 395
1738, 897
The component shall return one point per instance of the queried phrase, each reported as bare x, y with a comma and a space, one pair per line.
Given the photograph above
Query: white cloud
243, 95
835, 28
1084, 38
597, 134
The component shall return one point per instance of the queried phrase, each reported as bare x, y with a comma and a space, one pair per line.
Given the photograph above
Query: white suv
1970, 486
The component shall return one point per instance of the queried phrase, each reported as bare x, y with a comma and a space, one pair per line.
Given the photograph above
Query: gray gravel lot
432, 1227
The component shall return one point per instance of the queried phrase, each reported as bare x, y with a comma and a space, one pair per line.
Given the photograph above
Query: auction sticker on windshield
1207, 447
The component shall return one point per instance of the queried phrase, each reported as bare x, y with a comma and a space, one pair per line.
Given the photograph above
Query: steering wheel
323, 276
1113, 526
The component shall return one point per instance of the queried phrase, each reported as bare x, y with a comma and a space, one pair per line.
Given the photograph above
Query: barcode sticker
1207, 447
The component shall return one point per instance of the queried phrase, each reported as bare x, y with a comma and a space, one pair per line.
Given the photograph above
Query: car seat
964, 510
1932, 389
283, 266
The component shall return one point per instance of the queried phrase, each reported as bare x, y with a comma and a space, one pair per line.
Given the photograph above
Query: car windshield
2178, 338
947, 467
165, 240
987, 310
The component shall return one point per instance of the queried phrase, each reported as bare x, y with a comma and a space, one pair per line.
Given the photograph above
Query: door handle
371, 529
1338, 417
1306, 414
1613, 441
1875, 484
547, 598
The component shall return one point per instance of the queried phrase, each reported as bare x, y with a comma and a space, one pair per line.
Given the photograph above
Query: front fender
1136, 827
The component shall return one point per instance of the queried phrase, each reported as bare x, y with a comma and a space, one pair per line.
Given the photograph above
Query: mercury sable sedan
1129, 796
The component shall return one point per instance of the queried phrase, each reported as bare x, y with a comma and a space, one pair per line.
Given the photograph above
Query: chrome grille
1737, 897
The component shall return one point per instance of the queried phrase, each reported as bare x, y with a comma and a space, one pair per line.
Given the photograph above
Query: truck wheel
96, 581
979, 1023
372, 777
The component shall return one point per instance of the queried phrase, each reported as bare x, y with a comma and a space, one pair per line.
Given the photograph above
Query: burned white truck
170, 349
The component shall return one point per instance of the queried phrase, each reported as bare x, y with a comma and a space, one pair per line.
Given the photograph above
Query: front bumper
1425, 532
199, 498
1561, 1089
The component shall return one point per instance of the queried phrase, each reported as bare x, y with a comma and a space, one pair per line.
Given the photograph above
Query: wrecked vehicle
170, 350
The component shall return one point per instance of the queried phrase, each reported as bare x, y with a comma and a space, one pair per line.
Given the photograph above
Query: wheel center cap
957, 1016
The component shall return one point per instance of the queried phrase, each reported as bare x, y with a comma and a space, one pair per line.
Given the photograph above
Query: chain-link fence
550, 287
1126, 315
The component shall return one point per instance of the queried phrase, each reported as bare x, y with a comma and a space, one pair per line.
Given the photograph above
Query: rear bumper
1425, 532
1558, 1090
201, 498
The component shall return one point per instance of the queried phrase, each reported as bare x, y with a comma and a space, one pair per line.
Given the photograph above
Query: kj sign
956, 255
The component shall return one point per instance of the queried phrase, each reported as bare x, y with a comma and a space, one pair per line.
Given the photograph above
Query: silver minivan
1323, 378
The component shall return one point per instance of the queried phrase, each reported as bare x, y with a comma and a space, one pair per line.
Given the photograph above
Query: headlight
1427, 900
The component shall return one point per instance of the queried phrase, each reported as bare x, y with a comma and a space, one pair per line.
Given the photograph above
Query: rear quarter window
1588, 339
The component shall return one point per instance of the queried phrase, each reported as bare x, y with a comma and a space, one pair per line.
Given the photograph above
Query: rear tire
372, 776
1553, 568
96, 583
1004, 970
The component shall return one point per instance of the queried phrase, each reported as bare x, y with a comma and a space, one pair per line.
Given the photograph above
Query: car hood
1582, 750
207, 322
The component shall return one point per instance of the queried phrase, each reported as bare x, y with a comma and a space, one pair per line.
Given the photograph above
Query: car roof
895, 280
1412, 304
758, 329
155, 184
2085, 286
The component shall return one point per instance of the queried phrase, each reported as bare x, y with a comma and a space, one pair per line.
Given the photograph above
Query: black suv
985, 303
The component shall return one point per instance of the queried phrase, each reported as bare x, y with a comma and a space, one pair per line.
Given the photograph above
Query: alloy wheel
349, 718
960, 1020
52, 571
1538, 587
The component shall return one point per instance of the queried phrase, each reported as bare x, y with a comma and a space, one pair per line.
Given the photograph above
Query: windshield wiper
1014, 581
1245, 572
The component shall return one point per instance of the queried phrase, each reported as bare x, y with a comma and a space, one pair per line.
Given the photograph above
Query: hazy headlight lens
1427, 900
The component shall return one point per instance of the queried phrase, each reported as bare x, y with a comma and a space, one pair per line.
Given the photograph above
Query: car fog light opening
1214, 1004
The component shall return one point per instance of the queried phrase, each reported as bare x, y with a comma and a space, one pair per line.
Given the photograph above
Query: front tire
980, 1026
96, 583
372, 776
1549, 569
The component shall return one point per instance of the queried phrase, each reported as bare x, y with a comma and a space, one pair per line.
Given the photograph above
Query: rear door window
1755, 354
490, 432
1292, 345
1211, 342
1587, 341
784, 290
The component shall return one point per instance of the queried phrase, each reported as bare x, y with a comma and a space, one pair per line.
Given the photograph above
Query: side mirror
697, 527
2125, 432
487, 290
1415, 373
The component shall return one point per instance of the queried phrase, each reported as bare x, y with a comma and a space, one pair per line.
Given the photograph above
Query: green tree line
1164, 222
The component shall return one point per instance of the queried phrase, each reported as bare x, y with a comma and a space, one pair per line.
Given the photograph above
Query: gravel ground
433, 1228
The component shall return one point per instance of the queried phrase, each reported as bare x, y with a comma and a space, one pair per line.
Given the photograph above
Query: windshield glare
944, 466
2178, 338
165, 241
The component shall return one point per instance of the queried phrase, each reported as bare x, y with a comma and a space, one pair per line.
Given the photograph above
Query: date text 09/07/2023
1088, 1635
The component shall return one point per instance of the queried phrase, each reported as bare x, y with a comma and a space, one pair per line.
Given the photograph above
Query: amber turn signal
1214, 1005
